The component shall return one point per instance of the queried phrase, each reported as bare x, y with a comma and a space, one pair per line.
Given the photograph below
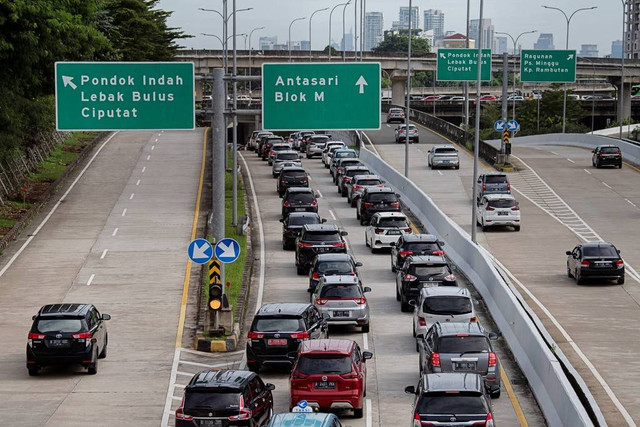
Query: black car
298, 199
342, 164
311, 138
331, 264
277, 331
444, 399
375, 199
418, 272
291, 176
606, 155
595, 261
315, 240
292, 225
347, 174
226, 397
414, 244
67, 334
267, 140
358, 184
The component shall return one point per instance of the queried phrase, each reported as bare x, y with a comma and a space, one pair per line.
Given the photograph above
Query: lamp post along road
624, 51
568, 19
466, 83
344, 42
476, 138
407, 116
310, 18
330, 16
297, 19
250, 33
515, 49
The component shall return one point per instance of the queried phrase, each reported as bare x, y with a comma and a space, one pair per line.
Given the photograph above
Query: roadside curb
230, 343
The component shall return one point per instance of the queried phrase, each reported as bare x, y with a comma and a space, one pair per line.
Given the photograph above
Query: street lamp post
250, 33
330, 15
225, 19
407, 116
297, 19
476, 138
310, 18
344, 42
568, 19
624, 45
515, 47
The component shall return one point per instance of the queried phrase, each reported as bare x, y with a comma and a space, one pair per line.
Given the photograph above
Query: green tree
399, 43
550, 115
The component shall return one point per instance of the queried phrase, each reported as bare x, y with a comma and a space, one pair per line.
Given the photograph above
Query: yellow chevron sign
214, 272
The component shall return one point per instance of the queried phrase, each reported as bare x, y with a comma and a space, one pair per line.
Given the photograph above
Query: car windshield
309, 365
428, 270
322, 236
392, 222
356, 172
496, 179
445, 150
350, 162
300, 198
596, 251
460, 343
288, 156
277, 324
451, 404
335, 267
294, 174
610, 150
302, 220
369, 182
447, 305
224, 401
382, 197
59, 325
341, 291
502, 203
418, 247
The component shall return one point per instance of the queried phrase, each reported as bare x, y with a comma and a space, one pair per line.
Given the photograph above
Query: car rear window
294, 174
382, 197
340, 291
447, 305
277, 324
59, 325
495, 179
428, 270
609, 150
444, 150
309, 365
280, 147
417, 247
350, 162
208, 400
502, 203
392, 222
288, 156
335, 267
608, 251
369, 182
319, 144
300, 197
302, 220
356, 172
460, 344
450, 403
346, 154
322, 236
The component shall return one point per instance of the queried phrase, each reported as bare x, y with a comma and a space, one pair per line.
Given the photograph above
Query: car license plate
210, 423
341, 314
446, 161
300, 209
393, 233
503, 213
58, 343
274, 341
325, 384
464, 366
602, 265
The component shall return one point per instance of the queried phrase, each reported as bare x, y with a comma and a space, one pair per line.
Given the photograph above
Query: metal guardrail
560, 392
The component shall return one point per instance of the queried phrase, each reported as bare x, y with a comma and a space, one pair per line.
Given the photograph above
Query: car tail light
451, 277
304, 245
33, 336
380, 185
300, 335
395, 204
357, 187
509, 186
490, 208
484, 186
299, 376
585, 263
473, 319
272, 153
493, 360
422, 321
415, 131
243, 413
321, 301
378, 230
82, 336
435, 359
367, 204
405, 253
315, 275
462, 335
339, 245
437, 253
314, 203
305, 180
340, 170
286, 204
346, 179
255, 336
602, 155
408, 229
360, 301
410, 277
180, 415
488, 422
282, 179
515, 208
619, 263
349, 376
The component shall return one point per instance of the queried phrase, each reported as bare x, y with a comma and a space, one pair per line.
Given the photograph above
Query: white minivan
496, 210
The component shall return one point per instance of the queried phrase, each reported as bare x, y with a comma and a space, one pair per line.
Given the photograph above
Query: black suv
595, 261
277, 331
292, 226
443, 399
291, 176
375, 200
414, 244
66, 334
605, 155
315, 240
331, 265
299, 199
460, 347
418, 272
225, 398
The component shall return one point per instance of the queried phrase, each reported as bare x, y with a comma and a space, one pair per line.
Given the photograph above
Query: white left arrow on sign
362, 83
200, 251
227, 251
68, 81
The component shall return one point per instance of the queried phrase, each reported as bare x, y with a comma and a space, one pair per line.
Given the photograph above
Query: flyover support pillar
199, 86
398, 86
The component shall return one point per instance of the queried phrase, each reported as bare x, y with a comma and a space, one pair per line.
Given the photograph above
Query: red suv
330, 374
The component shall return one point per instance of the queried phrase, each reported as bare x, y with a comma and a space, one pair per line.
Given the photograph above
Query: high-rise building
434, 20
502, 45
267, 43
545, 42
616, 49
487, 32
373, 23
588, 50
403, 20
305, 45
347, 42
632, 33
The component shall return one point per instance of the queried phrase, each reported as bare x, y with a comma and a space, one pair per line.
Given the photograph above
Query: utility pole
476, 145
407, 116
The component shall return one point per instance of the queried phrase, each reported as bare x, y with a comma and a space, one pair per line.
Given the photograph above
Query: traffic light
507, 148
215, 296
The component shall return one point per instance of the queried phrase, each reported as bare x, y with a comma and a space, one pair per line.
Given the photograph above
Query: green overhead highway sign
554, 66
321, 96
124, 95
462, 65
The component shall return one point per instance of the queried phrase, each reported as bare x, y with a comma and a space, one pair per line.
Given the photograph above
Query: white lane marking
587, 171
54, 208
332, 214
388, 126
172, 381
207, 354
124, 212
319, 193
371, 143
90, 279
365, 341
138, 182
156, 140
144, 168
568, 338
153, 147
554, 153
149, 157
115, 231
369, 413
131, 196
104, 253
180, 385
440, 172
571, 160
204, 365
176, 398
606, 185
186, 374
631, 203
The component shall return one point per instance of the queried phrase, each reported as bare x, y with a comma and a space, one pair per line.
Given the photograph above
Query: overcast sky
600, 26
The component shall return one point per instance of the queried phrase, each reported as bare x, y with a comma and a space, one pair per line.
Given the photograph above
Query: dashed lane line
90, 281
115, 231
104, 253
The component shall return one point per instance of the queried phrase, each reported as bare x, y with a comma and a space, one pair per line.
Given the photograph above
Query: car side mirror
106, 317
412, 302
344, 233
366, 289
269, 386
383, 182
366, 355
618, 250
494, 336
358, 264
323, 220
454, 267
420, 336
440, 242
33, 317
281, 220
410, 389
392, 244
310, 290
429, 151
569, 253
398, 195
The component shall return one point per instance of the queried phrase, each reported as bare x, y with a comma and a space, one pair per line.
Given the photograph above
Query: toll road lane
395, 363
537, 259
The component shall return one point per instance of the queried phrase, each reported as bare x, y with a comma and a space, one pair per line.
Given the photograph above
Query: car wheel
414, 334
620, 166
33, 371
343, 193
348, 199
357, 214
458, 167
103, 353
254, 367
308, 156
579, 280
274, 175
517, 228
301, 271
484, 227
366, 242
404, 305
569, 272
358, 412
621, 281
362, 222
417, 347
92, 369
365, 328
495, 394
398, 297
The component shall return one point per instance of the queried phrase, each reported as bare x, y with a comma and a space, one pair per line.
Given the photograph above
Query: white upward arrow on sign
362, 83
68, 81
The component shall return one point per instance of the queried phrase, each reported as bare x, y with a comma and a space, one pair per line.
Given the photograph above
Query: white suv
385, 228
443, 156
498, 210
326, 156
